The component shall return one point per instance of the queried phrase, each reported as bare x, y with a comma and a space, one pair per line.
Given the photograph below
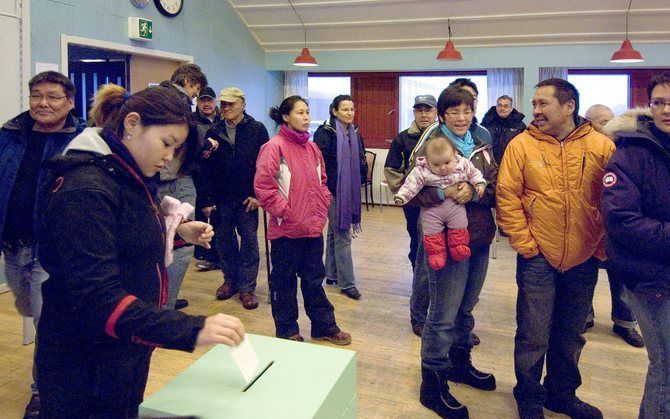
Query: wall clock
169, 8
139, 3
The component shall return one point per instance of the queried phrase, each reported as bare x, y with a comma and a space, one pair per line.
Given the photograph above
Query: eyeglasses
50, 98
659, 104
456, 114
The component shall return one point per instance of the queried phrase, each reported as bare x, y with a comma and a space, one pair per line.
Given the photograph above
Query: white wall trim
66, 40
25, 52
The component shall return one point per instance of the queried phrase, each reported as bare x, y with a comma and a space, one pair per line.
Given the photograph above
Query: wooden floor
387, 351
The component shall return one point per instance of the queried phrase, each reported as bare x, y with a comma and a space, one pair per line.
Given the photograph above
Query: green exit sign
140, 29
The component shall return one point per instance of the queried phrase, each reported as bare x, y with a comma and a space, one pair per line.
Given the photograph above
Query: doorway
90, 63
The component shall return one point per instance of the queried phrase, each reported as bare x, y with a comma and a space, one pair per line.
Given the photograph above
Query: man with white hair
622, 315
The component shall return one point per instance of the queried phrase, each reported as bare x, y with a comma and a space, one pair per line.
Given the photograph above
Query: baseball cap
207, 92
428, 100
231, 94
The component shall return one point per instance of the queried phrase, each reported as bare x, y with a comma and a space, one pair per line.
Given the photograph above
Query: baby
442, 167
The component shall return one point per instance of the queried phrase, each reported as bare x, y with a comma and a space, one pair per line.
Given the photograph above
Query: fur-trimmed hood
626, 122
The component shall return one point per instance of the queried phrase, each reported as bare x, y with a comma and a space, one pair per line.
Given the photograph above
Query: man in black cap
397, 166
205, 115
207, 112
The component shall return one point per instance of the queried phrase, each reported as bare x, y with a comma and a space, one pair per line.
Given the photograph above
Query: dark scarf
296, 136
120, 150
348, 199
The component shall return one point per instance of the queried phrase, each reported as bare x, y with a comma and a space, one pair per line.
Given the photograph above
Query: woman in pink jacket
290, 184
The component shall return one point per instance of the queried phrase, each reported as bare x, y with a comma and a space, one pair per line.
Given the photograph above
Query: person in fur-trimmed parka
636, 212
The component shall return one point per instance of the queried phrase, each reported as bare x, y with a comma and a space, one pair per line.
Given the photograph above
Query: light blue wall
530, 58
209, 30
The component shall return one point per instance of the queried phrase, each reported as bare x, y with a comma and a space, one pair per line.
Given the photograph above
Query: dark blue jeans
453, 293
622, 315
653, 311
551, 311
239, 260
477, 267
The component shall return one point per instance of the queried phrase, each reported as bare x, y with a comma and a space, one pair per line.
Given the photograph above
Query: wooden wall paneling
639, 79
376, 100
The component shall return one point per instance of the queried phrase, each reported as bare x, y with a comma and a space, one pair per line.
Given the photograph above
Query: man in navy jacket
26, 142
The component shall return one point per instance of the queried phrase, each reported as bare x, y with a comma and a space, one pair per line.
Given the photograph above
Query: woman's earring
128, 137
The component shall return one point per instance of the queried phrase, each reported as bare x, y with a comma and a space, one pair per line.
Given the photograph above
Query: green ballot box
304, 381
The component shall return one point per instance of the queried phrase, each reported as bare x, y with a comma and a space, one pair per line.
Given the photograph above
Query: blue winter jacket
13, 139
636, 207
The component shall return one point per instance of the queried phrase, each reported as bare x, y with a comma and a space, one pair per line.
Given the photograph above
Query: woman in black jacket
636, 212
102, 241
344, 154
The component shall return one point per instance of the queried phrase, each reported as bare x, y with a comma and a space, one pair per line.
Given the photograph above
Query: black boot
464, 372
435, 396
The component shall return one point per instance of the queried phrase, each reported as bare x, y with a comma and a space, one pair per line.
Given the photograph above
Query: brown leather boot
249, 300
225, 291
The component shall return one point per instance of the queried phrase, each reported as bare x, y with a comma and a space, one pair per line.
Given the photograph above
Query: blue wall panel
209, 30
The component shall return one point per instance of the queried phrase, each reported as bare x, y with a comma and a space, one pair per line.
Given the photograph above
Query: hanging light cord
305, 28
627, 11
449, 26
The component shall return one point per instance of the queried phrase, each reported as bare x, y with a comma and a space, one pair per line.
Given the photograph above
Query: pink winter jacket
290, 184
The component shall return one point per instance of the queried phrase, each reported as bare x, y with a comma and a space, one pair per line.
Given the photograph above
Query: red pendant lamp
449, 53
627, 54
305, 59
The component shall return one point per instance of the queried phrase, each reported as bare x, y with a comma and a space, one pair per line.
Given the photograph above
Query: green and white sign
140, 29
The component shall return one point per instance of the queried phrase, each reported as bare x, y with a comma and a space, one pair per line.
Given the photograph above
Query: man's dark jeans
412, 218
551, 311
239, 260
622, 314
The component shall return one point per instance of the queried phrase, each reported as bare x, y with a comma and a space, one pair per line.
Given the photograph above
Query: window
611, 90
412, 86
321, 90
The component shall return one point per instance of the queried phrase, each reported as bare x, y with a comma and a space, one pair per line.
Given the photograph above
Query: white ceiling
420, 24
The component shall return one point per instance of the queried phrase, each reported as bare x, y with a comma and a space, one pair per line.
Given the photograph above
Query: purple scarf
348, 199
296, 136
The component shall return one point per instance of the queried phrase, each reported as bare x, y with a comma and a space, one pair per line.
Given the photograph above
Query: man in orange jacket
548, 202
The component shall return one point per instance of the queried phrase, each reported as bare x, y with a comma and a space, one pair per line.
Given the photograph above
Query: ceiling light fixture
449, 52
305, 59
627, 54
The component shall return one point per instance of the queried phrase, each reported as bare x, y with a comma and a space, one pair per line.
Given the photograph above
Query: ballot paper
246, 359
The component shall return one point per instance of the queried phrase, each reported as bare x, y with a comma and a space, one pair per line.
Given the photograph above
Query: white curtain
553, 72
505, 81
295, 83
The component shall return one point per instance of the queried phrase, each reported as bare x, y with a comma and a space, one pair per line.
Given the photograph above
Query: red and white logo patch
57, 184
609, 180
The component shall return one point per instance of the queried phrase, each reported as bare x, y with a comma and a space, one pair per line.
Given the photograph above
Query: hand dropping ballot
246, 360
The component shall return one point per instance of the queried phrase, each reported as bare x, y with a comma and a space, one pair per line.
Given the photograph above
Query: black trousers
105, 380
304, 258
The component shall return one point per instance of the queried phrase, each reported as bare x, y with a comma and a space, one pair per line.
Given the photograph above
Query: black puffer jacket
102, 243
325, 138
397, 164
228, 174
636, 205
503, 129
